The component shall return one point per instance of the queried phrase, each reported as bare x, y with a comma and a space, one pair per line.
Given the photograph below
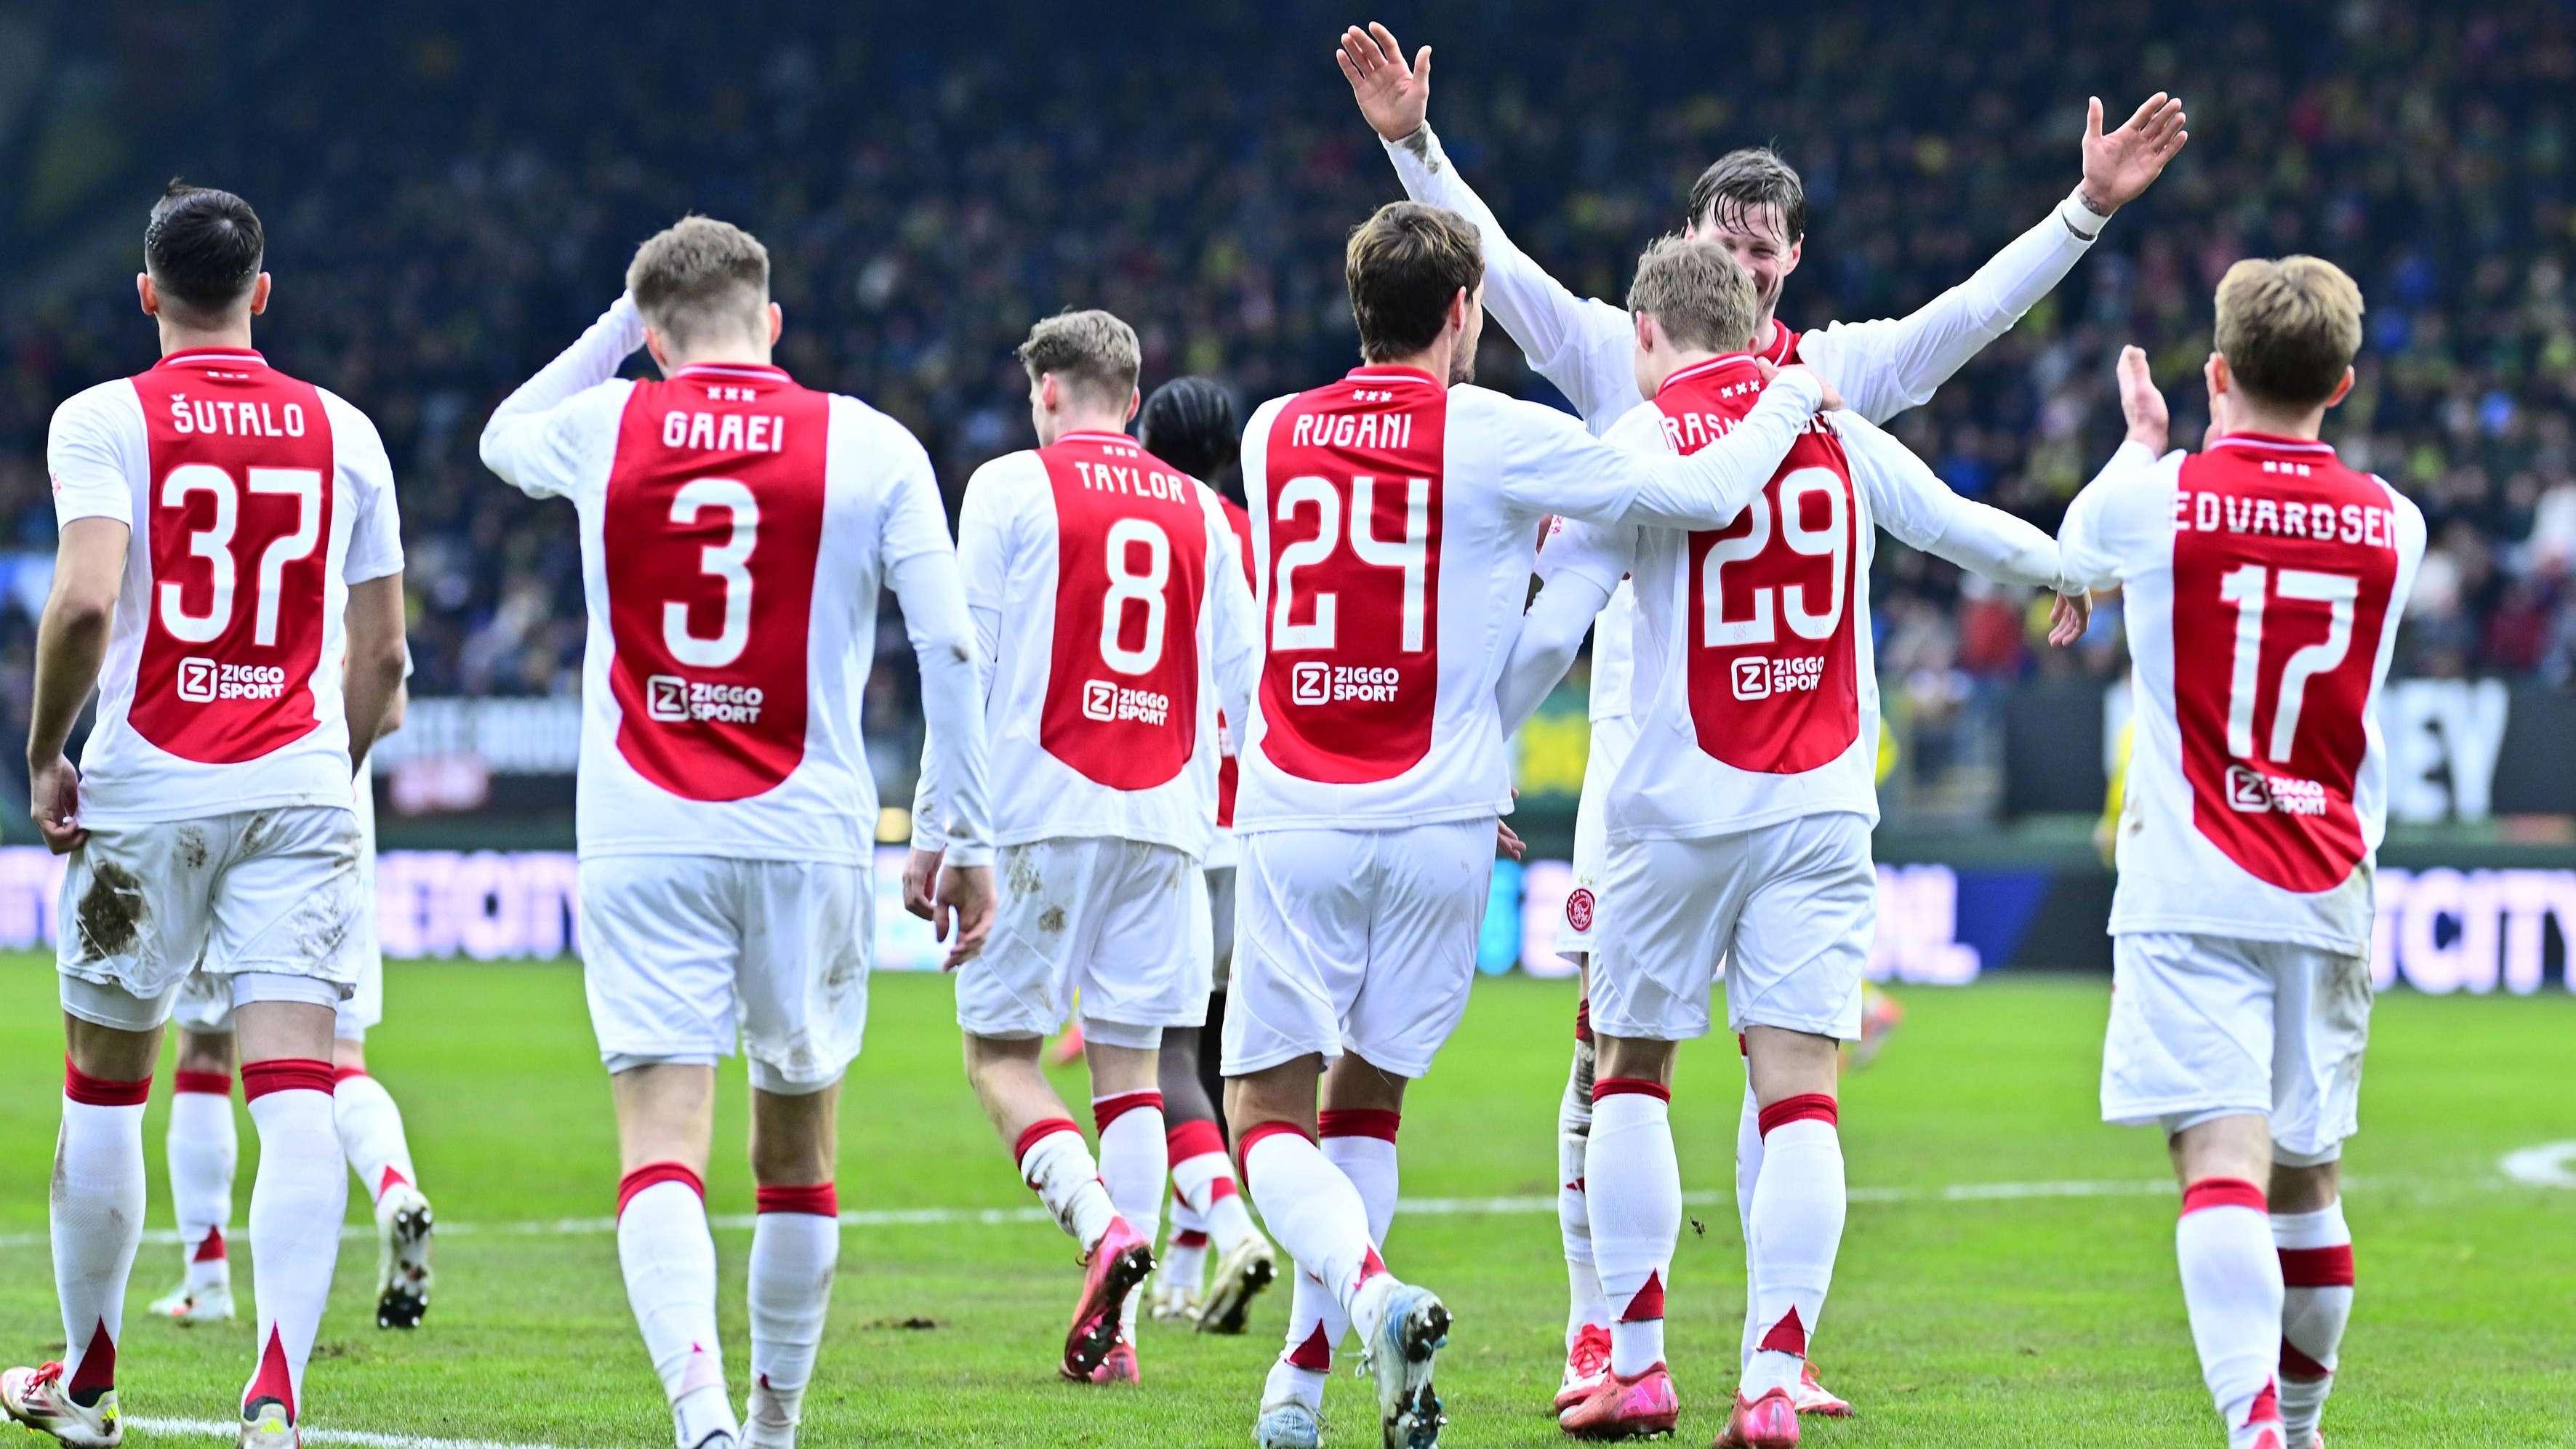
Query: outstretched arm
1581, 346
516, 444
1577, 589
1908, 500
1888, 366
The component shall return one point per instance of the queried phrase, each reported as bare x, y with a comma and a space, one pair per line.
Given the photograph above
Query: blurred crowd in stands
452, 193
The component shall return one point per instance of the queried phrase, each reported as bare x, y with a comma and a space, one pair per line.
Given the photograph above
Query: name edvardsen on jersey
2200, 511
1134, 482
725, 432
239, 419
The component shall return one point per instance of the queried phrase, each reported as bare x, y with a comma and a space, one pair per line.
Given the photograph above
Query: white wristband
2080, 219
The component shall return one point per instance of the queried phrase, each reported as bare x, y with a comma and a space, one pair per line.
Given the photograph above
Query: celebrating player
229, 578
2257, 796
201, 1146
1110, 617
735, 530
1739, 823
1754, 204
1395, 517
1191, 423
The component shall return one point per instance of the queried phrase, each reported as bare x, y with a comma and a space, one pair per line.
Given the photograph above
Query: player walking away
1754, 204
2256, 799
201, 1145
1395, 518
1739, 824
735, 530
1111, 618
229, 578
1191, 423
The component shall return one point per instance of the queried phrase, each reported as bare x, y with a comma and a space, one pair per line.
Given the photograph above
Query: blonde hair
2288, 328
700, 276
1092, 352
1697, 292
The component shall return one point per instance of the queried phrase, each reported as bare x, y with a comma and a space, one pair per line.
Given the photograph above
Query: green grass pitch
1957, 1318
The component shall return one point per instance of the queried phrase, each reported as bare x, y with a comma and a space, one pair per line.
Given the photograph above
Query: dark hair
1740, 183
203, 247
1404, 265
1190, 423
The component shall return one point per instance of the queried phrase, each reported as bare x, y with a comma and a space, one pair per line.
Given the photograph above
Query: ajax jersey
255, 500
735, 529
1107, 593
2257, 789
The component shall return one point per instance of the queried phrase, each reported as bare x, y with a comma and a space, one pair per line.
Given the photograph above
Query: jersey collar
1784, 340
1094, 435
1729, 362
2272, 443
213, 357
757, 371
1386, 372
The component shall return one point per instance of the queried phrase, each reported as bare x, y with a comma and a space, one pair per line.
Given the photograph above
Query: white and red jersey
1111, 605
1756, 689
1395, 525
1229, 767
255, 501
2257, 789
736, 529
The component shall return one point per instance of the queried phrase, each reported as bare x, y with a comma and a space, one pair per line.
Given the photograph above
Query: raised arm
516, 443
1582, 346
1885, 367
1551, 466
1909, 501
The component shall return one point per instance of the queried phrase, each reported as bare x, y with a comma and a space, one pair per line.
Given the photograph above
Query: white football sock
2316, 1302
1184, 1258
1586, 1305
204, 1152
2231, 1282
1204, 1178
1313, 1209
297, 1200
1133, 1166
1636, 1214
1796, 1227
97, 1219
1057, 1165
669, 1261
371, 1133
1748, 1172
795, 1245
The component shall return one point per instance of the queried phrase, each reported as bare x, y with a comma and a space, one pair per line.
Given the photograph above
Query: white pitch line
2552, 1164
366, 1439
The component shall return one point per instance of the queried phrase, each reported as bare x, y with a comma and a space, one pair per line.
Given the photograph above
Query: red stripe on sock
212, 1084
1185, 1140
1805, 1107
1189, 1238
2317, 1267
273, 1381
97, 1371
822, 1200
1219, 1189
1786, 1336
1371, 1265
1647, 1303
1038, 1132
92, 1091
286, 1074
390, 1179
342, 1074
1629, 1087
1374, 1122
653, 1174
2215, 1192
1243, 1145
2297, 1365
210, 1249
2266, 1409
1583, 1020
1106, 1110
1743, 1048
1315, 1356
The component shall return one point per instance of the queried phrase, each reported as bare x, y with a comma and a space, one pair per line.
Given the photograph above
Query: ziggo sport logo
204, 681
1762, 678
1316, 682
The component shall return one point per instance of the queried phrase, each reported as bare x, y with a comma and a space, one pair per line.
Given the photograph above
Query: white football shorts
681, 953
205, 1002
1121, 922
1355, 940
1613, 736
2207, 1026
262, 901
1790, 909
1220, 894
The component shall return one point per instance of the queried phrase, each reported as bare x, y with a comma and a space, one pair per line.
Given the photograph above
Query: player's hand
920, 869
1507, 842
1395, 101
2119, 166
2141, 403
53, 796
2068, 618
1832, 401
2219, 424
965, 901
